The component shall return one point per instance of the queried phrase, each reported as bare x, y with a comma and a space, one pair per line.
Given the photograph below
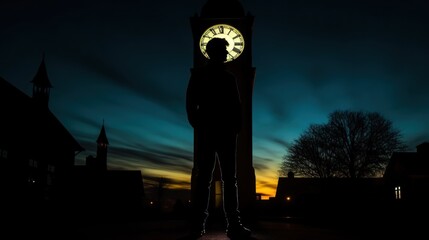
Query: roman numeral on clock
220, 29
236, 50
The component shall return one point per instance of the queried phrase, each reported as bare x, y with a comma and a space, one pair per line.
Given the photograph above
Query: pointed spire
41, 78
222, 9
102, 137
41, 85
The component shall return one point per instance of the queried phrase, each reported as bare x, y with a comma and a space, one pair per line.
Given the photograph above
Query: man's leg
202, 173
226, 153
227, 159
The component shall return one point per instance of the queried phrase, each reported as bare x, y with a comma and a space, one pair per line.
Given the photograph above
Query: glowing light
398, 192
234, 38
288, 198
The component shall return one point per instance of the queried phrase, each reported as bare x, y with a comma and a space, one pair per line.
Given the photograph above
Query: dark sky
127, 63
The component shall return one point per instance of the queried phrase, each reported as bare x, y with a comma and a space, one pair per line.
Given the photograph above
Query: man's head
216, 49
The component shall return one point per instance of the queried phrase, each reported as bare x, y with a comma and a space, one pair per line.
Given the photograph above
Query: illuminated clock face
232, 35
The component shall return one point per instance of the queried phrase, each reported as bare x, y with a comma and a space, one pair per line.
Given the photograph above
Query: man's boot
236, 230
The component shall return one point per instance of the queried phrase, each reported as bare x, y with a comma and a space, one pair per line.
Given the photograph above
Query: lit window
398, 192
218, 193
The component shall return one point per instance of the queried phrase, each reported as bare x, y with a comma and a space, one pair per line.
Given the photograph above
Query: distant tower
99, 163
227, 19
41, 85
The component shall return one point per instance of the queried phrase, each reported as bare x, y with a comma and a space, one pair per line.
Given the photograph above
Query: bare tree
309, 155
351, 144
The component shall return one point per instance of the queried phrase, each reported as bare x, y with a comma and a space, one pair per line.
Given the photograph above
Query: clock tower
227, 19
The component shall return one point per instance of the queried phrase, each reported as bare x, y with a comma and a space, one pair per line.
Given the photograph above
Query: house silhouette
37, 152
407, 176
401, 193
37, 168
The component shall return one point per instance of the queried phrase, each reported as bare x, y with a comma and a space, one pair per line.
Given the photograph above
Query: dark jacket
213, 100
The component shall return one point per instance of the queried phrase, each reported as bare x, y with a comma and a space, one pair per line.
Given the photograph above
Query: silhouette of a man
214, 110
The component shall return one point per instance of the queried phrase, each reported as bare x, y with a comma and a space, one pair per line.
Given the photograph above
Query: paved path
78, 229
176, 230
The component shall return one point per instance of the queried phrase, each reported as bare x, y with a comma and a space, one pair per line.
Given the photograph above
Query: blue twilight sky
127, 63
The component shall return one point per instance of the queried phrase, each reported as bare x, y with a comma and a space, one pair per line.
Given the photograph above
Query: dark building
402, 192
329, 197
99, 193
407, 176
37, 167
37, 152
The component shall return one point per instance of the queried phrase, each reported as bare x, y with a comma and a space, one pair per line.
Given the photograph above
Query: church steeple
222, 9
102, 137
99, 162
41, 85
102, 143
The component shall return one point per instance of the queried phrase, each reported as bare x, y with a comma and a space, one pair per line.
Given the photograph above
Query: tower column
231, 13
